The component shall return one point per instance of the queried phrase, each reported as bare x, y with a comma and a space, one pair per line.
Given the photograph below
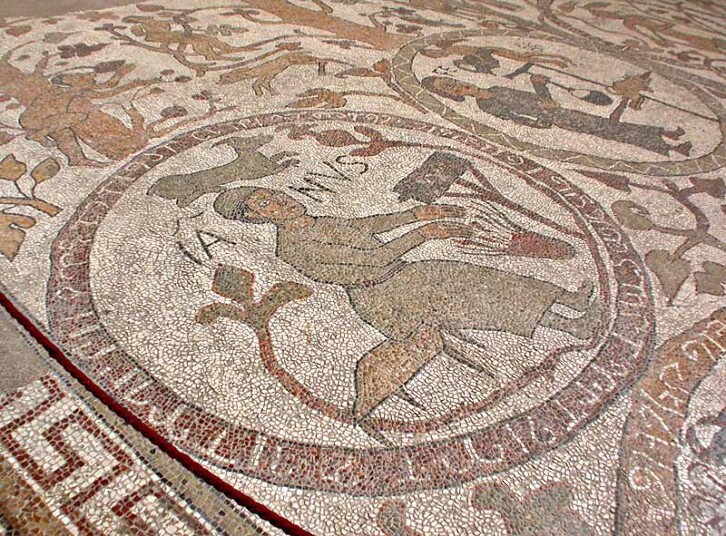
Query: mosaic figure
408, 302
363, 267
540, 110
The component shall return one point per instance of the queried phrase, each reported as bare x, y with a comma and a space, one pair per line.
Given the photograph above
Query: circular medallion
408, 305
531, 91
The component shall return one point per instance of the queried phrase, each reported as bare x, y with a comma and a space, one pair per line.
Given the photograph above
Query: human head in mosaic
258, 205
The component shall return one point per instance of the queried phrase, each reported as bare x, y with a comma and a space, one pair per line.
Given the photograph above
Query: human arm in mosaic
387, 253
380, 223
342, 264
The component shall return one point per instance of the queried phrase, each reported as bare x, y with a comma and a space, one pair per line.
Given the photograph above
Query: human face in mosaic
275, 207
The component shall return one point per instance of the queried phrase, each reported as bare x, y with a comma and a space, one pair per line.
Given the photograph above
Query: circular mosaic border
622, 358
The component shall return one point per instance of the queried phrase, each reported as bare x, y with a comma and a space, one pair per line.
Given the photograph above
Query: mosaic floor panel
363, 267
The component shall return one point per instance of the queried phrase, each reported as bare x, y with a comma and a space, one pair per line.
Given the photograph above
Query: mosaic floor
363, 267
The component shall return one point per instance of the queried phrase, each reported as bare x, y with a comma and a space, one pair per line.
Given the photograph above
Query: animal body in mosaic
250, 164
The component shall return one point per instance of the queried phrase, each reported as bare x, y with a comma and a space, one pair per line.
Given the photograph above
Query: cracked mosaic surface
406, 267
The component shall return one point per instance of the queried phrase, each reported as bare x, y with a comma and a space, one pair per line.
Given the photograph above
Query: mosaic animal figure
263, 74
62, 111
160, 32
250, 164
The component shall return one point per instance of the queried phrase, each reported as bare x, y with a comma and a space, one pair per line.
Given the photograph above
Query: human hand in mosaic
442, 230
424, 267
541, 110
520, 92
438, 212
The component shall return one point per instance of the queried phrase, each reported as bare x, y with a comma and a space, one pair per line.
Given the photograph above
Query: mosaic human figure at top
539, 109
